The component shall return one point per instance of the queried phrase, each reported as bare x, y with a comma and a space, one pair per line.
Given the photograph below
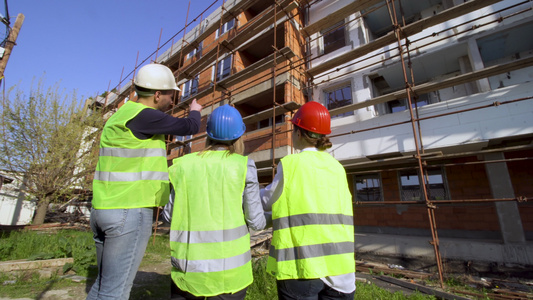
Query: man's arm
152, 121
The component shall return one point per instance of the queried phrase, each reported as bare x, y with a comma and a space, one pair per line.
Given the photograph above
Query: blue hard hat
225, 124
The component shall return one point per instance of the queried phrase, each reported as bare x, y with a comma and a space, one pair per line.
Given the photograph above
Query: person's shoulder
291, 156
185, 158
150, 112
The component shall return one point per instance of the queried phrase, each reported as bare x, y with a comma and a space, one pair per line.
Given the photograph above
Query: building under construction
431, 104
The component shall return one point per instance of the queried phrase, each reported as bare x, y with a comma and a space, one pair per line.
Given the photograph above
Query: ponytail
320, 141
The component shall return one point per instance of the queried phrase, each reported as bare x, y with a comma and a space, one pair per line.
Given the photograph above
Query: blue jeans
309, 289
121, 237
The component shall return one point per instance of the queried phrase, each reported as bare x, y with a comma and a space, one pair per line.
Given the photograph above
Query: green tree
49, 143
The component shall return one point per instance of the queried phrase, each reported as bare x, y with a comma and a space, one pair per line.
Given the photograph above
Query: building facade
436, 92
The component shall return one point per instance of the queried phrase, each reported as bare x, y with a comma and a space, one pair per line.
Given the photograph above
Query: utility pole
11, 41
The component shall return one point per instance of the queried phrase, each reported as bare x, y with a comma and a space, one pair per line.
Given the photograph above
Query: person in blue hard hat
215, 198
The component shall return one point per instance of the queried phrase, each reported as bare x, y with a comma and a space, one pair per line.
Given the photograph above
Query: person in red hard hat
312, 250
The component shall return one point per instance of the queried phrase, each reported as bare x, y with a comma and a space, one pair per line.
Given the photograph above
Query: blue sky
84, 45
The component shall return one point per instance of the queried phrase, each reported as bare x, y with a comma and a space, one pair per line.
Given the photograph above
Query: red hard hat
313, 117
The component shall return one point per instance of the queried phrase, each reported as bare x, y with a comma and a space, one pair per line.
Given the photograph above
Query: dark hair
234, 146
141, 91
320, 141
167, 92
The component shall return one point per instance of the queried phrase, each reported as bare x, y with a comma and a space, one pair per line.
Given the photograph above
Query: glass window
190, 88
401, 105
225, 27
179, 138
367, 187
224, 68
196, 51
411, 190
339, 97
268, 122
334, 38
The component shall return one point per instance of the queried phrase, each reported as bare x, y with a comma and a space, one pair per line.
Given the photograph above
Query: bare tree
49, 142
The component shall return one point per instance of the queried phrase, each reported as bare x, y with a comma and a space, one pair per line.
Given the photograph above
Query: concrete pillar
476, 62
511, 227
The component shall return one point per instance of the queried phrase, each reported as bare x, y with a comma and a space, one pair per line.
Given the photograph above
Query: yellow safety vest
313, 235
131, 172
209, 239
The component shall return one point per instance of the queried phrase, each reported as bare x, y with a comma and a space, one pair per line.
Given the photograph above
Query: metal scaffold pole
422, 179
10, 43
274, 94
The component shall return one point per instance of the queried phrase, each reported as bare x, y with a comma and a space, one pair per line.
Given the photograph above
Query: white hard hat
155, 77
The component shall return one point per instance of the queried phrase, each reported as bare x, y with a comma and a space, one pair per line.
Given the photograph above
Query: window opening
368, 187
225, 27
411, 190
338, 98
268, 122
224, 68
196, 51
334, 38
180, 138
190, 88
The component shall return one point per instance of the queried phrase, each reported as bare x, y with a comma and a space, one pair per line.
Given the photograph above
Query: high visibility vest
131, 172
209, 239
313, 234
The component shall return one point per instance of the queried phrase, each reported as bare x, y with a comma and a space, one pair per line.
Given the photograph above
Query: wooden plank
338, 16
437, 85
260, 236
421, 288
285, 107
369, 267
18, 265
409, 30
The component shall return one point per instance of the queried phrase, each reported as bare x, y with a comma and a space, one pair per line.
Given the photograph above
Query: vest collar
309, 149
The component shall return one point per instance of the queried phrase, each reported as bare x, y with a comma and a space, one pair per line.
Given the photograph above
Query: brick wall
465, 181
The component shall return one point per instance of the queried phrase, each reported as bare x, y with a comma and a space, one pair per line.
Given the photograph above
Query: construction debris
374, 268
23, 265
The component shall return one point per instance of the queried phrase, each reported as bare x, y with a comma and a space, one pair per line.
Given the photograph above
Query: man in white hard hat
131, 178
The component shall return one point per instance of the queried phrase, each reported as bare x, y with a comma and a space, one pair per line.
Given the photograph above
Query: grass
155, 285
371, 291
35, 245
31, 285
264, 285
264, 288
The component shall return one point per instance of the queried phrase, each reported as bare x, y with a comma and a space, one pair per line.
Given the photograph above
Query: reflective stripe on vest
122, 152
311, 251
312, 219
123, 176
212, 236
211, 265
131, 172
209, 239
